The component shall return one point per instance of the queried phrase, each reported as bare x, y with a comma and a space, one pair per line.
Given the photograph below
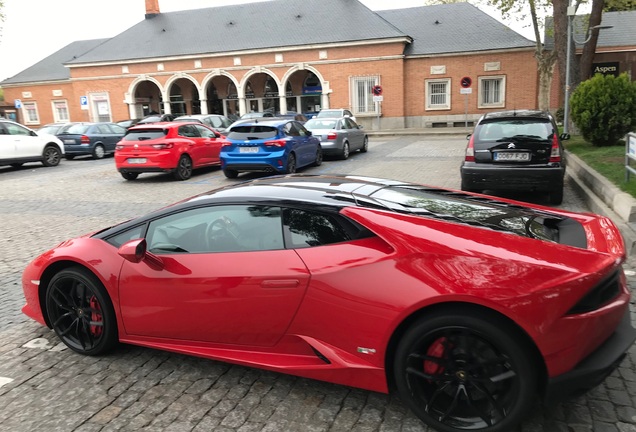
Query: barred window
31, 113
492, 91
438, 94
362, 95
60, 111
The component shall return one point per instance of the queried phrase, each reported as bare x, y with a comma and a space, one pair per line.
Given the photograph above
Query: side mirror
564, 136
309, 133
360, 127
468, 136
133, 250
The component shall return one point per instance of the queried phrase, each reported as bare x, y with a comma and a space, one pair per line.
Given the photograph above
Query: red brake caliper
95, 317
437, 350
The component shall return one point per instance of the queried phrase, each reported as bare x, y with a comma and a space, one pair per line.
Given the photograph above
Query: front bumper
491, 177
592, 370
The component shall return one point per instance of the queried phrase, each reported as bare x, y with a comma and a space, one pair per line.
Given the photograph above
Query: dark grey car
95, 139
338, 136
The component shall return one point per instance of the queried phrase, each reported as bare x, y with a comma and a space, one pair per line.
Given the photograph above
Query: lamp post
566, 109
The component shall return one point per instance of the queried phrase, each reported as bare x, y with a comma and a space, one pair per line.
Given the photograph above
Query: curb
604, 198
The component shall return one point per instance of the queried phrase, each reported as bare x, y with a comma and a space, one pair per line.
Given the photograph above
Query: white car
19, 144
336, 112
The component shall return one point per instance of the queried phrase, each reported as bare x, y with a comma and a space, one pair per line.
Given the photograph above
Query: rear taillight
119, 147
332, 136
470, 150
85, 140
163, 146
225, 143
555, 153
276, 143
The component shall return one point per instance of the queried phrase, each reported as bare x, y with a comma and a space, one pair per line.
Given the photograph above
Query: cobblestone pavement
45, 387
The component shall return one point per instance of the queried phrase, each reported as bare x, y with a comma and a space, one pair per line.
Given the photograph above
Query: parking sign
17, 103
84, 102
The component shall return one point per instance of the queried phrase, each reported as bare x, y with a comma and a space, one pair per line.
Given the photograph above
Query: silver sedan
338, 136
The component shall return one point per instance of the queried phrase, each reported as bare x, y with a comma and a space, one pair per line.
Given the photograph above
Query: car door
211, 144
355, 135
115, 134
7, 144
27, 143
302, 146
195, 145
224, 277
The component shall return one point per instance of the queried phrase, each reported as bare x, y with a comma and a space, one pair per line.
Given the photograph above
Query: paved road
48, 388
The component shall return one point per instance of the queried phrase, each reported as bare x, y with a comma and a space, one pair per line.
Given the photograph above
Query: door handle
282, 283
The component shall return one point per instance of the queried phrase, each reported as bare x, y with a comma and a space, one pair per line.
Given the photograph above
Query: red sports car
177, 147
468, 306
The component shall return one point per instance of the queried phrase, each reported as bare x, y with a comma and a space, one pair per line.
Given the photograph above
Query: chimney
152, 8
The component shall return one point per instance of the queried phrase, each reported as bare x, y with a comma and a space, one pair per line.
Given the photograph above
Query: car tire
184, 168
344, 154
17, 164
99, 152
556, 197
129, 175
445, 365
291, 164
230, 173
365, 145
51, 156
318, 160
80, 311
69, 157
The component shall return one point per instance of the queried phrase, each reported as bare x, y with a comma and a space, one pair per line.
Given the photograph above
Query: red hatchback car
175, 147
466, 305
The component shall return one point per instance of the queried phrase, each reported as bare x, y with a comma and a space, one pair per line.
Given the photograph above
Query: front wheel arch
470, 309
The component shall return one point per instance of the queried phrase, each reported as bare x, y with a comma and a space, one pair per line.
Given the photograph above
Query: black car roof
518, 113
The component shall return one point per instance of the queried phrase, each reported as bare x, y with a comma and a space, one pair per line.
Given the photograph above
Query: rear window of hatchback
145, 134
253, 132
537, 129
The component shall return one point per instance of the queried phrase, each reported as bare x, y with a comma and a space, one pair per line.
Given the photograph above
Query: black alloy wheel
291, 164
81, 312
129, 175
459, 372
184, 168
365, 145
344, 154
318, 160
51, 156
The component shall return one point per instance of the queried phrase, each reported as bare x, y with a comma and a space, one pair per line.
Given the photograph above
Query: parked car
128, 123
19, 145
174, 147
515, 151
254, 115
215, 121
338, 136
466, 307
95, 139
156, 118
336, 112
51, 128
273, 146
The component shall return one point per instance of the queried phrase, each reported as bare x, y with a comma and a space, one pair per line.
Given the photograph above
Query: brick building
236, 59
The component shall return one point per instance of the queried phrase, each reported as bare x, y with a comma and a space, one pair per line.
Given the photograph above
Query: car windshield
49, 130
145, 134
75, 129
421, 201
499, 129
321, 124
329, 113
252, 132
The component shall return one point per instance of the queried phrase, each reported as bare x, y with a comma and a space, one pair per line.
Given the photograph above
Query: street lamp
566, 110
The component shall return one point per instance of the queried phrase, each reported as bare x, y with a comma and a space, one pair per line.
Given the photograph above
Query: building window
438, 94
362, 95
31, 113
99, 107
492, 92
60, 111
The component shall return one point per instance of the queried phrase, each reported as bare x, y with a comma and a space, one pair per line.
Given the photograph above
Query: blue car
95, 139
269, 145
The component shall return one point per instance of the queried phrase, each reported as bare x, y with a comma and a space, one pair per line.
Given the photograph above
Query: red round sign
377, 90
466, 82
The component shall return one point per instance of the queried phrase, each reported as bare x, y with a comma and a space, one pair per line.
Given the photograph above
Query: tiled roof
450, 28
52, 67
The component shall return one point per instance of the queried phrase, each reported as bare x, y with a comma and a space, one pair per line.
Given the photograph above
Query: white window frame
361, 95
501, 102
29, 120
58, 116
428, 89
99, 105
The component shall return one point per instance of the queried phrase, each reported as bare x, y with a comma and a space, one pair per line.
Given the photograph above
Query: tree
619, 5
604, 108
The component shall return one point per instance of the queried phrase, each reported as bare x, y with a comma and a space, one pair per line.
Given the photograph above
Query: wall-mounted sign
610, 68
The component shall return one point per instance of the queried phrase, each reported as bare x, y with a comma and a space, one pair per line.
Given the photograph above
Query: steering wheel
218, 229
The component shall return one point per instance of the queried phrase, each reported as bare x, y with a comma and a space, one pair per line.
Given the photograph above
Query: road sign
84, 102
17, 103
466, 82
378, 98
465, 91
377, 90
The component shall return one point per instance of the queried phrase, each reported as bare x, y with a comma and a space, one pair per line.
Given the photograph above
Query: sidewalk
599, 194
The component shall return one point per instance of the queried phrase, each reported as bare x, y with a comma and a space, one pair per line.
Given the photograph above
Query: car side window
227, 228
188, 131
17, 130
307, 229
301, 129
130, 234
116, 129
290, 129
205, 132
103, 129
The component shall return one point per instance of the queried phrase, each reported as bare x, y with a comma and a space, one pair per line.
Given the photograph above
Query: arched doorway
147, 99
184, 97
303, 92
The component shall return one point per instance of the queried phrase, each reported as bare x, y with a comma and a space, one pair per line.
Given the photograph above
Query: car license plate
136, 160
248, 149
69, 141
512, 156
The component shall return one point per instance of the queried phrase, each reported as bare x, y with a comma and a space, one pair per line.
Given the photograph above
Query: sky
35, 29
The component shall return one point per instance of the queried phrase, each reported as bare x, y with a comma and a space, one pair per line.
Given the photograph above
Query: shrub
604, 108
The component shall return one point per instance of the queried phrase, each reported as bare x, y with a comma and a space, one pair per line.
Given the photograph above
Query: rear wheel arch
459, 308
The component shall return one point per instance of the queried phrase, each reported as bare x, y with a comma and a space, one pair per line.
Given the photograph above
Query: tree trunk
560, 20
589, 49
